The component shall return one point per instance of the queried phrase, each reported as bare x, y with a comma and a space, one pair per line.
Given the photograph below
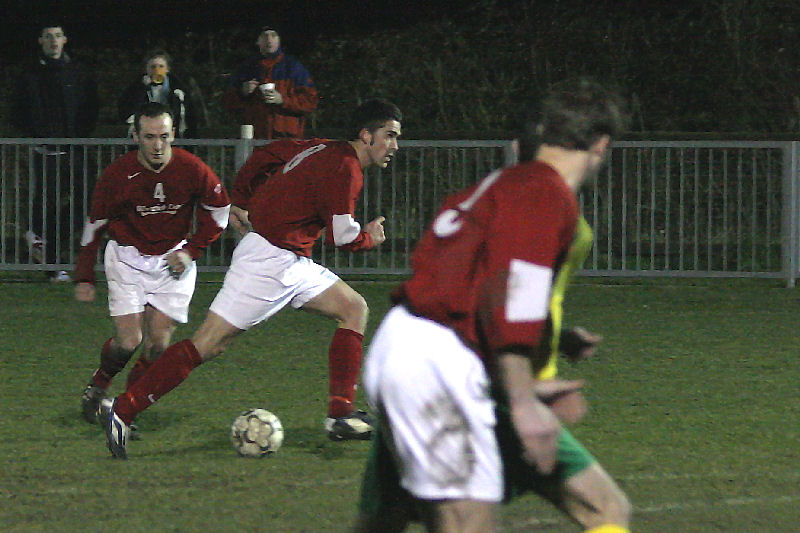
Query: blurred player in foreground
146, 200
288, 193
466, 417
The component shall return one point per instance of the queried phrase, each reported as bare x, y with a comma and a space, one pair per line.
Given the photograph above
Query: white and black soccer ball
256, 433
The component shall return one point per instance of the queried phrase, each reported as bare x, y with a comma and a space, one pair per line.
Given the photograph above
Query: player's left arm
342, 229
523, 247
212, 211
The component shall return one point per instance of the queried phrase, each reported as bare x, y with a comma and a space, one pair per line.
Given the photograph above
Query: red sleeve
253, 173
524, 246
341, 197
102, 209
211, 212
362, 242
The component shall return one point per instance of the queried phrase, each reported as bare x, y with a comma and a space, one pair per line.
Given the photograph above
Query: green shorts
382, 494
520, 477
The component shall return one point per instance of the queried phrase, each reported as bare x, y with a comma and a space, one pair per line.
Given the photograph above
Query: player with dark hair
147, 201
466, 418
287, 193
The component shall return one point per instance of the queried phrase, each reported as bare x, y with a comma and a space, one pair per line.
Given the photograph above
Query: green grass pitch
693, 396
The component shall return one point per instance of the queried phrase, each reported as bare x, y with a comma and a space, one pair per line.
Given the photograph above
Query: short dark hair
158, 52
574, 115
373, 114
268, 27
51, 24
150, 110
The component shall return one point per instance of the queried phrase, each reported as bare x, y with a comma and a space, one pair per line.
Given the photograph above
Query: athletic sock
166, 373
138, 370
344, 365
608, 528
110, 366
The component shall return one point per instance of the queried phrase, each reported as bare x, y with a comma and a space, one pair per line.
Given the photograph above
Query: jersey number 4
158, 193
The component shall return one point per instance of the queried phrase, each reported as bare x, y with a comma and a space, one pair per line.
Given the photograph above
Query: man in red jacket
272, 91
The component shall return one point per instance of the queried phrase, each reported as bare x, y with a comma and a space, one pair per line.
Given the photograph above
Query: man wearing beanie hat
272, 91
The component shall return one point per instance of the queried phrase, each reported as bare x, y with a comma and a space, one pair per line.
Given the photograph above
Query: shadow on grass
313, 440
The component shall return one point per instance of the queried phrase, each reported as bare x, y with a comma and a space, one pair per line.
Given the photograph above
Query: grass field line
670, 507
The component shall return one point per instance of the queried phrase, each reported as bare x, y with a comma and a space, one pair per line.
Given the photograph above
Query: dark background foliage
727, 67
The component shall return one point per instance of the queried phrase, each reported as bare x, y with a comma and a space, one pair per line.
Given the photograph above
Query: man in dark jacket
272, 91
56, 97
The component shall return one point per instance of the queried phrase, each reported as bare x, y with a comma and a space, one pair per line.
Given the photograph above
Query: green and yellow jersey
577, 254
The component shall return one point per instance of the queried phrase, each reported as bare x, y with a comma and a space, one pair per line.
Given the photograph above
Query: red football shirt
154, 211
293, 189
485, 266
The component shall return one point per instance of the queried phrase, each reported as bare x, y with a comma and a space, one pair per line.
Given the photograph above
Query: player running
288, 192
454, 368
146, 201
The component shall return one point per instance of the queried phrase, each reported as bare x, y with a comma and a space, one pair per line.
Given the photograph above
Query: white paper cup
247, 131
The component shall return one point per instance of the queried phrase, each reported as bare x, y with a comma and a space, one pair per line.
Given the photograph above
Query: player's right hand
84, 292
249, 86
239, 219
375, 230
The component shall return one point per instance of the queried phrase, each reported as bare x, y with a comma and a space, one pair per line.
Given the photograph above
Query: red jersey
485, 266
154, 211
294, 189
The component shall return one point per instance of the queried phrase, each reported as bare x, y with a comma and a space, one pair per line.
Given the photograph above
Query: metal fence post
789, 227
245, 146
511, 153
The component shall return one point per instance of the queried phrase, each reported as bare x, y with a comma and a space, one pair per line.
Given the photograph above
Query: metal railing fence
665, 208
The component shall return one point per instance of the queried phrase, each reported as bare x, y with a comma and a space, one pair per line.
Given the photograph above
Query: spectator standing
160, 84
272, 91
55, 97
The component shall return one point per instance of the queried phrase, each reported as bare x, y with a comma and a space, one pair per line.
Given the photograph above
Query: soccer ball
256, 433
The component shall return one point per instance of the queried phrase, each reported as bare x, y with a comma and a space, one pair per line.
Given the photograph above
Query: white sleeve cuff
219, 214
345, 229
90, 230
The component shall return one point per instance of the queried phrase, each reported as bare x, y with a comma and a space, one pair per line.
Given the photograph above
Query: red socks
110, 366
177, 361
137, 371
344, 365
166, 373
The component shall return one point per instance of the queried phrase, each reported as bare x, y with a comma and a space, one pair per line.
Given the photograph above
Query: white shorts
263, 279
434, 392
135, 280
